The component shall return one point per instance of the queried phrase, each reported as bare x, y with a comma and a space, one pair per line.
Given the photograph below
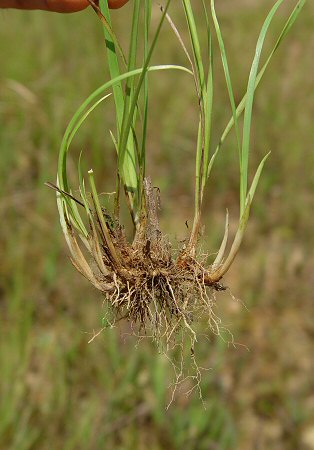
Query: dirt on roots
158, 290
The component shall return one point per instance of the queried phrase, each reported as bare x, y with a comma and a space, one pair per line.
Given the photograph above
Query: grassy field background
59, 392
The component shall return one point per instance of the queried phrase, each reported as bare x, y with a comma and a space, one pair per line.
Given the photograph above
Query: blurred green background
59, 392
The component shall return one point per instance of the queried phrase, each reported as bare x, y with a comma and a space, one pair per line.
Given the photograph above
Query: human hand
63, 6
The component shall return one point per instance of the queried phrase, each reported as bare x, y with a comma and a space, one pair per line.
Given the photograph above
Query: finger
115, 4
62, 6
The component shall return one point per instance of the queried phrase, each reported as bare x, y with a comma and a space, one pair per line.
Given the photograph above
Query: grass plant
58, 391
162, 291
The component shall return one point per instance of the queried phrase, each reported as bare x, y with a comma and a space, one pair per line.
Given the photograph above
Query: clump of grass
158, 289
